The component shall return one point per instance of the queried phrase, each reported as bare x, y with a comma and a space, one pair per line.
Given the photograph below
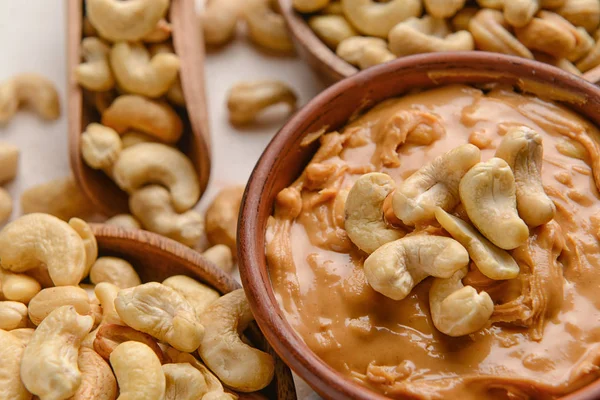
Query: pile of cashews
502, 198
564, 33
77, 326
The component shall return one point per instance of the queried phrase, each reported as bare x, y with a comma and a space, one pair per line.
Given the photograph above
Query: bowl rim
287, 343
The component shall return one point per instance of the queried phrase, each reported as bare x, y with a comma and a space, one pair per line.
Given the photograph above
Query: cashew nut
377, 19
6, 205
29, 90
107, 294
549, 33
364, 52
13, 315
219, 20
160, 311
49, 365
23, 334
461, 20
443, 8
585, 13
132, 138
309, 6
183, 382
490, 32
95, 73
147, 163
153, 207
197, 294
488, 194
39, 239
138, 371
100, 146
267, 28
237, 365
397, 267
131, 112
161, 32
246, 100
51, 299
492, 261
126, 221
89, 241
102, 100
18, 287
9, 161
214, 387
125, 20
522, 149
416, 35
434, 185
97, 379
519, 13
331, 29
221, 256
109, 336
222, 217
364, 221
116, 271
591, 60
11, 352
458, 310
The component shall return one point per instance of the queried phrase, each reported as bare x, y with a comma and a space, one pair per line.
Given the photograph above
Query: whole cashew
331, 29
9, 162
443, 8
522, 149
107, 294
131, 112
458, 310
160, 311
138, 371
18, 287
434, 185
222, 217
11, 352
97, 379
492, 261
126, 221
584, 42
95, 73
246, 100
397, 267
100, 146
89, 241
50, 299
214, 387
125, 20
549, 33
116, 271
197, 294
364, 220
183, 382
591, 60
585, 13
237, 365
13, 315
519, 13
364, 52
29, 90
377, 19
309, 6
137, 73
416, 35
39, 239
221, 256
490, 32
49, 365
6, 205
132, 138
267, 28
219, 19
153, 207
488, 194
147, 163
109, 336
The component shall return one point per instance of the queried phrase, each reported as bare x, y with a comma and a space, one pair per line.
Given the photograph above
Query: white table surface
32, 39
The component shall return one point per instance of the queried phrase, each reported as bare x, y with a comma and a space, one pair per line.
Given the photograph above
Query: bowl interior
285, 158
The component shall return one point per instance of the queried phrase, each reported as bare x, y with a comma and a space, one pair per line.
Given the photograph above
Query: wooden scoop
195, 142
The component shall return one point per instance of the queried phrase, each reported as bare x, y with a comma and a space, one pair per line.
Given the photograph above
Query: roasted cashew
18, 287
184, 382
397, 267
458, 310
309, 6
364, 220
549, 33
492, 261
11, 352
222, 217
50, 299
49, 365
97, 379
126, 221
214, 386
138, 371
9, 162
434, 185
331, 29
364, 52
153, 207
39, 239
160, 311
490, 32
149, 163
197, 294
219, 19
161, 32
246, 100
237, 365
488, 194
13, 315
125, 20
30, 90
522, 149
584, 42
377, 19
95, 73
585, 13
132, 138
591, 60
6, 205
443, 8
89, 241
416, 35
267, 28
131, 112
109, 336
519, 13
460, 22
116, 271
100, 146
221, 256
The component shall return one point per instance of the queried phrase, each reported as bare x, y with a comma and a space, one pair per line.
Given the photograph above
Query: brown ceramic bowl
284, 159
324, 60
155, 258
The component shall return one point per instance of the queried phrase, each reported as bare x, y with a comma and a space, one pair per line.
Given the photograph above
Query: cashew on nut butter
446, 245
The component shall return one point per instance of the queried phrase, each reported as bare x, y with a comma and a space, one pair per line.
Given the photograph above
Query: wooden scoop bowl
155, 258
104, 194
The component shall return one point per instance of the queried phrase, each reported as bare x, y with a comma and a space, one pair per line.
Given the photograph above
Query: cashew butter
542, 340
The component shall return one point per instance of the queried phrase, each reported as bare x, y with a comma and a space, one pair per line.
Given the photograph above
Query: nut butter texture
544, 337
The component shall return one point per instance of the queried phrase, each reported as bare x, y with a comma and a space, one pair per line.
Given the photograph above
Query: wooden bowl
324, 60
284, 159
155, 258
104, 194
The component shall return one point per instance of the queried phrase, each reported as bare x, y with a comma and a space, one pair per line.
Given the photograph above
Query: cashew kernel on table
246, 100
9, 161
11, 353
6, 205
28, 90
